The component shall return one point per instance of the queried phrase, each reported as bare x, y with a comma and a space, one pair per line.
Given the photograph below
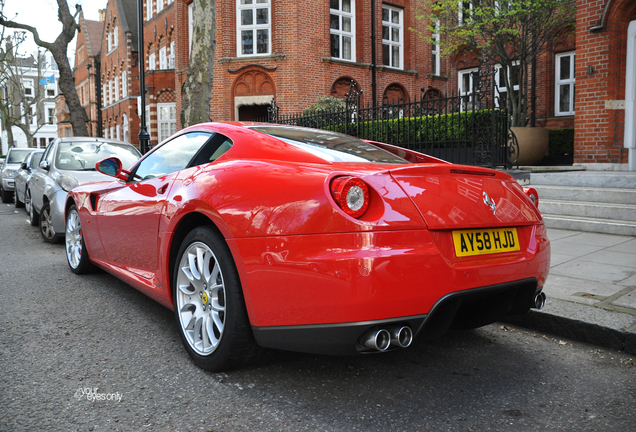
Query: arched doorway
253, 90
342, 86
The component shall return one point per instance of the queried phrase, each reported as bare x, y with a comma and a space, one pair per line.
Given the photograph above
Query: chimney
102, 15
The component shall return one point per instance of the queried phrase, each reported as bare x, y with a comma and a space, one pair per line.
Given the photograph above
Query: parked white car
12, 162
66, 163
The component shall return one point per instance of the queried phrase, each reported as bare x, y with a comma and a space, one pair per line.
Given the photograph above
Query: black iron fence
470, 128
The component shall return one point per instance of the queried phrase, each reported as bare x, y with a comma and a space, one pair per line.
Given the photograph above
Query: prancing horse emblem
490, 203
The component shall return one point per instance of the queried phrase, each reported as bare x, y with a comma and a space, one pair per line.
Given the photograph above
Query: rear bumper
461, 310
349, 278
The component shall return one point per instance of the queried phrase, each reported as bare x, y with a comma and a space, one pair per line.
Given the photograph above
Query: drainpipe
373, 56
144, 136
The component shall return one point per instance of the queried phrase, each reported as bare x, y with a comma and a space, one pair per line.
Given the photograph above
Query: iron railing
470, 128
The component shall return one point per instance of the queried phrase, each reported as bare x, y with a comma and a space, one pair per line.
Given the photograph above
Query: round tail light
533, 195
351, 194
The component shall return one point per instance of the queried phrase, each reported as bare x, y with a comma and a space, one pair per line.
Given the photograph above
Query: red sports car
261, 235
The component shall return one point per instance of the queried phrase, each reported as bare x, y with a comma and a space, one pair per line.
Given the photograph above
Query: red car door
128, 220
128, 216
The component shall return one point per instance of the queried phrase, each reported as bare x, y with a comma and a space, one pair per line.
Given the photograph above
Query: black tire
235, 344
46, 225
76, 253
34, 217
16, 200
5, 195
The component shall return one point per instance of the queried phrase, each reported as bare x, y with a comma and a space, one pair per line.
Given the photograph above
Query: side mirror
23, 166
112, 167
45, 165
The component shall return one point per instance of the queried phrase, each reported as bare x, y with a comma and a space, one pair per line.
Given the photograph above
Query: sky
42, 14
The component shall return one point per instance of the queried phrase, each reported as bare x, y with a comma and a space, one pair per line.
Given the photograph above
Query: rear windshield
331, 146
82, 156
18, 155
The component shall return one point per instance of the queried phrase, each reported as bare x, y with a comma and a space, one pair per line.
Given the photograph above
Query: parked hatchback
66, 163
22, 177
14, 158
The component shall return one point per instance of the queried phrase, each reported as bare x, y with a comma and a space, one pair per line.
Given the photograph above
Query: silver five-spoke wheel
201, 298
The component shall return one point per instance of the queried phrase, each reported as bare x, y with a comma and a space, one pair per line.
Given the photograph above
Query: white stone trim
250, 100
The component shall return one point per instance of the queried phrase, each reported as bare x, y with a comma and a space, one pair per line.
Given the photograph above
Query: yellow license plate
485, 241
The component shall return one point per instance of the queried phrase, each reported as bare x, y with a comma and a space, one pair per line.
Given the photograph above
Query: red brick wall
599, 131
159, 32
86, 80
112, 64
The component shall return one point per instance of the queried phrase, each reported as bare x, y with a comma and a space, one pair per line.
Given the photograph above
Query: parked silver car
12, 162
66, 163
22, 177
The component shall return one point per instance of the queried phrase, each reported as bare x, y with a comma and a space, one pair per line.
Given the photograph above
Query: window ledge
345, 62
400, 71
253, 57
437, 77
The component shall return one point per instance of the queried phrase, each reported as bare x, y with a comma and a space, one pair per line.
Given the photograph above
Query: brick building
159, 52
296, 51
119, 72
86, 71
605, 118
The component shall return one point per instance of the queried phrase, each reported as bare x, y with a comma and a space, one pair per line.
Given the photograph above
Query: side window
213, 150
172, 156
48, 155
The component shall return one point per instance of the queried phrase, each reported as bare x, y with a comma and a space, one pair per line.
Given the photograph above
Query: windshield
18, 155
82, 156
331, 146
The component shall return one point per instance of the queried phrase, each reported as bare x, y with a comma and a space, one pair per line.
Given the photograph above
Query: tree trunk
58, 49
197, 89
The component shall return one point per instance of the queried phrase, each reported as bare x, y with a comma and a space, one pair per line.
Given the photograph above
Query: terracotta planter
533, 144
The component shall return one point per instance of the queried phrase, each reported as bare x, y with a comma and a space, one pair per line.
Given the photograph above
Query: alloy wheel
201, 298
73, 239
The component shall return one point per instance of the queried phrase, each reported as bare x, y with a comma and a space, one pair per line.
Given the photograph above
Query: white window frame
163, 58
109, 42
116, 87
435, 50
460, 11
564, 82
340, 33
152, 62
171, 56
105, 93
390, 43
465, 93
48, 119
160, 5
112, 132
116, 37
502, 88
254, 28
169, 123
27, 84
111, 92
147, 114
124, 84
149, 13
125, 129
118, 132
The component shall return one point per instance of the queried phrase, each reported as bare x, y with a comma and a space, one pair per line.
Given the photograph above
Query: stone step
593, 179
597, 195
609, 211
588, 224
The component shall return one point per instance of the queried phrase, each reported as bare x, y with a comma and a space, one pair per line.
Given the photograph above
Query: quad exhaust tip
401, 336
539, 300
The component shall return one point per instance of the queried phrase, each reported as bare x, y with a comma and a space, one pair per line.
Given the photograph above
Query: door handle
162, 189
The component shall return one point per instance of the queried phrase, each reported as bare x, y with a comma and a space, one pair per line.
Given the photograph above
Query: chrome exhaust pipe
539, 300
401, 336
377, 339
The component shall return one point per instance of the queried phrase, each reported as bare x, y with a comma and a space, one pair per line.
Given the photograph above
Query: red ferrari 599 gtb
260, 235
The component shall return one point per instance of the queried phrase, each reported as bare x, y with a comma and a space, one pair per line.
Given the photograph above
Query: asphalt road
63, 336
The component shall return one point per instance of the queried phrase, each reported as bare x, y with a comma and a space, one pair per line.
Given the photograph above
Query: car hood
457, 196
84, 177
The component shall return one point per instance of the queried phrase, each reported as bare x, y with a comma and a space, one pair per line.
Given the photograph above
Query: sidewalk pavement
591, 290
